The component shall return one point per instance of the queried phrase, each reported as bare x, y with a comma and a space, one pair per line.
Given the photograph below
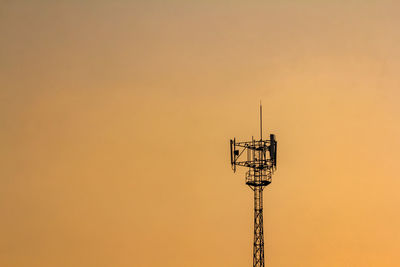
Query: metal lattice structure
259, 156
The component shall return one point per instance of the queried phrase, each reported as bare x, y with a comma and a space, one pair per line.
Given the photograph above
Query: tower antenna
260, 121
261, 165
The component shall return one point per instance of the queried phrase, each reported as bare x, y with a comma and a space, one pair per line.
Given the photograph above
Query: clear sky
116, 116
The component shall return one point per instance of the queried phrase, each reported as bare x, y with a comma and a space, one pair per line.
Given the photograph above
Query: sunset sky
116, 116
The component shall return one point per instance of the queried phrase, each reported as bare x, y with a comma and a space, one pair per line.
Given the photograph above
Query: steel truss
253, 155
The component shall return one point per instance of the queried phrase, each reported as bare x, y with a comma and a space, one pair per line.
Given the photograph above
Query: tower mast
260, 166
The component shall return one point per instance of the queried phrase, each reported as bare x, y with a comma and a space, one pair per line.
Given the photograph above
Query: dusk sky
116, 116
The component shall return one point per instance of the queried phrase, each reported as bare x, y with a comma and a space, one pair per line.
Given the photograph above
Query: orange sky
116, 117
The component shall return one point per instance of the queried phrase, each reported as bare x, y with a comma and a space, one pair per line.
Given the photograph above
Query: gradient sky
116, 117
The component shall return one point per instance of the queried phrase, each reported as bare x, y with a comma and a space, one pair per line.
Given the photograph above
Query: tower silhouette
259, 156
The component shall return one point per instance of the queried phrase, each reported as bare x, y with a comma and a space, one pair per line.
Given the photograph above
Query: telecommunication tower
259, 156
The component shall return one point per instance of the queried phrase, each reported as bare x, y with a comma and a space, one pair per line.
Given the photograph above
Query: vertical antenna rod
260, 121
